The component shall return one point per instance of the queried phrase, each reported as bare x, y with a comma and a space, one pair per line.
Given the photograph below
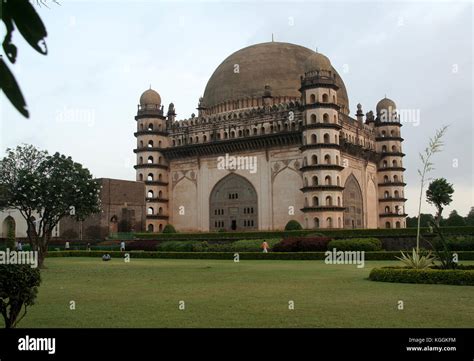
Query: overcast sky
83, 95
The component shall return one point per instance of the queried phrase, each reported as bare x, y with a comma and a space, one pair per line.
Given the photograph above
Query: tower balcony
147, 149
336, 126
389, 169
151, 132
392, 184
322, 188
321, 167
320, 146
393, 215
157, 216
156, 183
392, 154
323, 209
152, 165
157, 199
392, 199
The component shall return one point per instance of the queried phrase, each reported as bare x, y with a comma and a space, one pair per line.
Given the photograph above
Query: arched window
337, 159
395, 178
316, 222
315, 201
338, 181
312, 98
150, 194
384, 148
327, 180
394, 163
329, 222
386, 194
327, 159
385, 178
397, 225
313, 118
159, 177
387, 224
150, 159
329, 201
150, 211
396, 194
338, 201
160, 227
334, 99
314, 180
314, 139
204, 138
150, 177
160, 210
160, 160
141, 143
150, 127
160, 194
326, 138
387, 209
384, 164
325, 118
394, 148
140, 160
140, 177
150, 228
150, 144
262, 130
325, 98
314, 159
305, 181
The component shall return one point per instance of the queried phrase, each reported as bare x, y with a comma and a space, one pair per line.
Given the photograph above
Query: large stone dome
245, 73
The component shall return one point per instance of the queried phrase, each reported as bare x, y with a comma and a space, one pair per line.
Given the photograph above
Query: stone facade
273, 141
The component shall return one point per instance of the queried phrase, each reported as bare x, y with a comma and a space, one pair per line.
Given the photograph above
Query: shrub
18, 290
178, 246
460, 243
169, 228
141, 246
252, 245
369, 256
430, 276
293, 226
302, 244
356, 244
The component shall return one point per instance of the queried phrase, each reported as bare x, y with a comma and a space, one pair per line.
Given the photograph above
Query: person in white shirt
122, 246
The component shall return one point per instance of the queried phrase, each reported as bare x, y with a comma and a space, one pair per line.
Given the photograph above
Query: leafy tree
424, 222
470, 218
455, 220
439, 194
293, 226
169, 228
19, 14
49, 187
11, 235
18, 290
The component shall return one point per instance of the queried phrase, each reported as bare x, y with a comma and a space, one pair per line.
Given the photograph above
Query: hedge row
429, 276
337, 233
370, 256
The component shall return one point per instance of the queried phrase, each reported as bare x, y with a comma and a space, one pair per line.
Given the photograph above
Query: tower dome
150, 97
386, 105
317, 61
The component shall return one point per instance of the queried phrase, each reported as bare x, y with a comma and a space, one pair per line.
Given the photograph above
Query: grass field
146, 293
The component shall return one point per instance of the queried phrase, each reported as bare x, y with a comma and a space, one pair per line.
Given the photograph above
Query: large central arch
233, 205
353, 203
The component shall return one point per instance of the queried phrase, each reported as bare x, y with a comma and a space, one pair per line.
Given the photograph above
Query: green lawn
146, 292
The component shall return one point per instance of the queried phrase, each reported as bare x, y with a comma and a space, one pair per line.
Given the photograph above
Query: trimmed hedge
293, 226
336, 233
427, 276
302, 244
369, 256
356, 244
463, 243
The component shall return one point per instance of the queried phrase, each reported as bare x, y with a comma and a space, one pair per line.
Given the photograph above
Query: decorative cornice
322, 188
154, 165
323, 209
388, 169
321, 166
322, 126
237, 145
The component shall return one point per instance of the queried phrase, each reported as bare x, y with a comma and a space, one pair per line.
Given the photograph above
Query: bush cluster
356, 244
430, 276
302, 244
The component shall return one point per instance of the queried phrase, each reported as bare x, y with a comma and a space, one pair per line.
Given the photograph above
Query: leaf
9, 85
9, 48
29, 24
